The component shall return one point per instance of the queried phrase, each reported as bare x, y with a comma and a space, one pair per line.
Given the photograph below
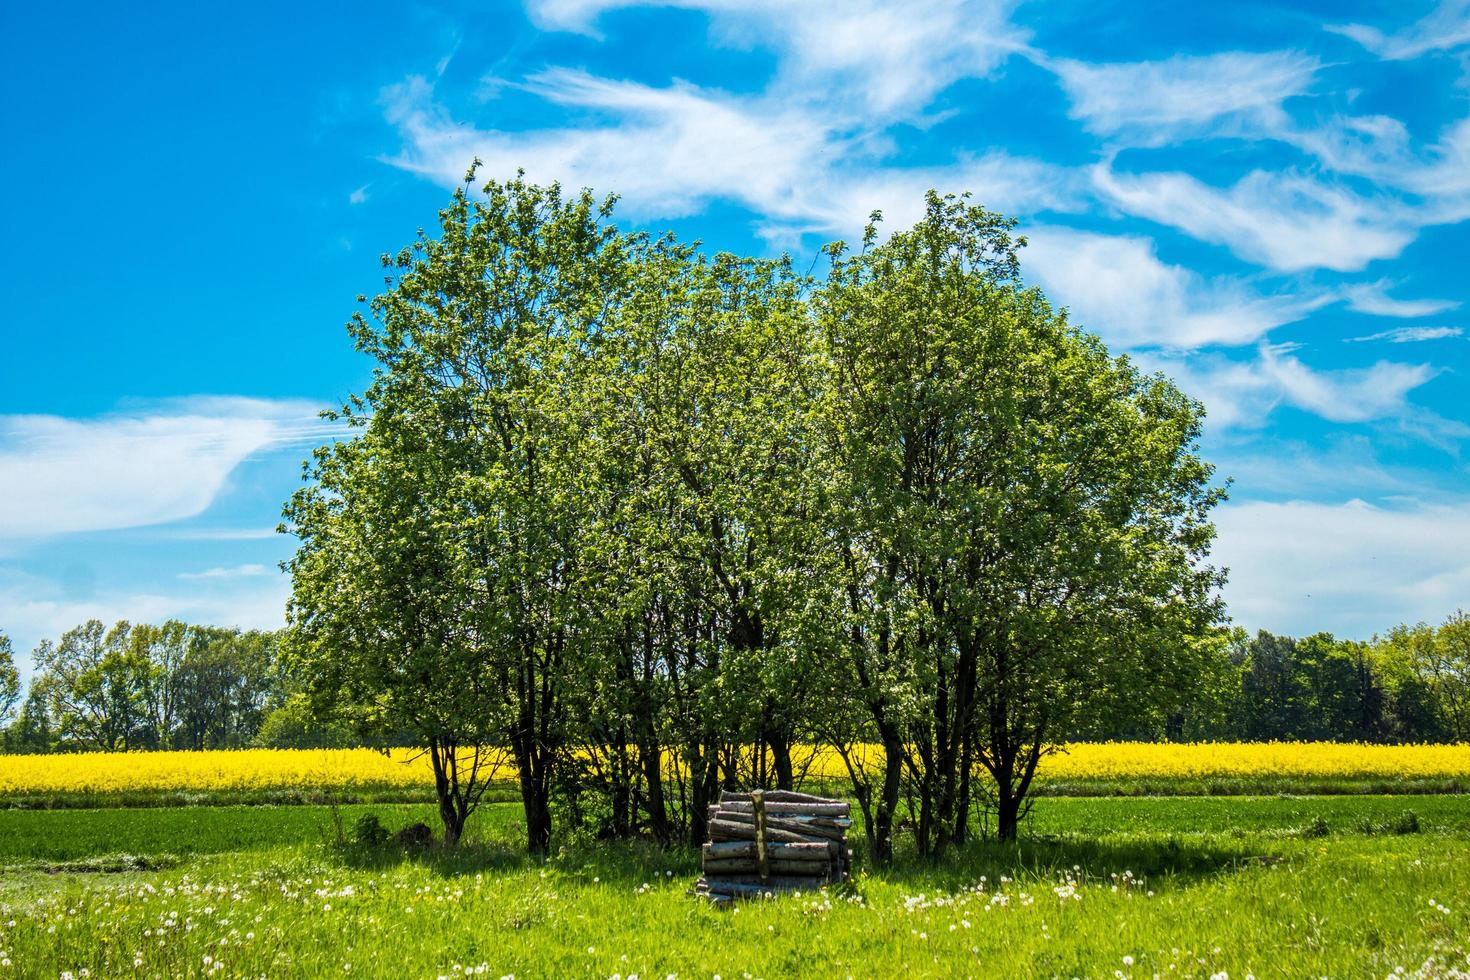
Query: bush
1317, 828
292, 726
1405, 823
415, 836
368, 831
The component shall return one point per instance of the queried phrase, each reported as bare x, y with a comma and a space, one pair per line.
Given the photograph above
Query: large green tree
9, 680
438, 578
704, 465
378, 631
1438, 659
92, 682
1024, 518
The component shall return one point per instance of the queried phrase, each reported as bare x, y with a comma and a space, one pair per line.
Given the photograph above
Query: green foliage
1432, 669
1409, 686
641, 519
9, 681
368, 831
295, 726
1021, 519
130, 687
439, 588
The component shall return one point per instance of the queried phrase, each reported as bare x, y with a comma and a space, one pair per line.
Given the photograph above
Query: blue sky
1267, 201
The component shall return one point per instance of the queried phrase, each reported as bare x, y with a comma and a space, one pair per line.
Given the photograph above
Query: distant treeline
178, 686
1412, 685
139, 687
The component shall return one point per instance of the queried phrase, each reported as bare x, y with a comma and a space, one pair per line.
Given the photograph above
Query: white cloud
1157, 101
1346, 463
36, 607
894, 57
1409, 335
1286, 221
1380, 149
1242, 394
135, 468
1350, 395
671, 151
220, 533
1373, 298
1353, 568
1446, 27
233, 571
1116, 286
1444, 180
674, 150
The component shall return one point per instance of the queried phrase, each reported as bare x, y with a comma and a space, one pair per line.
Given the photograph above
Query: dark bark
533, 764
704, 789
961, 832
538, 823
655, 804
781, 755
887, 809
621, 789
1007, 815
454, 806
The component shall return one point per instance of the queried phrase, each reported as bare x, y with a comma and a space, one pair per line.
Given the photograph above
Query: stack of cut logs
776, 840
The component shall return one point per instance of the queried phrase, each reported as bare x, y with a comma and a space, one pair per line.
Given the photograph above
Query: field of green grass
1265, 886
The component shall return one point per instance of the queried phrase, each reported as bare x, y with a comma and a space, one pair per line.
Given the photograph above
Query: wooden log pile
774, 840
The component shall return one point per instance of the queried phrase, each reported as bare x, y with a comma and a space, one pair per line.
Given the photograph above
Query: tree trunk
781, 752
882, 836
961, 831
537, 802
658, 813
453, 819
704, 779
621, 789
452, 808
535, 793
1008, 814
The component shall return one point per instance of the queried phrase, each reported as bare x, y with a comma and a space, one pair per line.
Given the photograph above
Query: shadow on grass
498, 847
102, 864
1051, 858
1150, 859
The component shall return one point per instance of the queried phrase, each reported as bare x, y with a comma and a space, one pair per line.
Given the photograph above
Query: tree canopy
620, 508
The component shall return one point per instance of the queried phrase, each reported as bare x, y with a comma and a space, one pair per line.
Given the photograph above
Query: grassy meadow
1339, 886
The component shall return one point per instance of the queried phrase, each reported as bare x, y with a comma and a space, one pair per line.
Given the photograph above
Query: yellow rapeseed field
242, 770
1257, 760
353, 769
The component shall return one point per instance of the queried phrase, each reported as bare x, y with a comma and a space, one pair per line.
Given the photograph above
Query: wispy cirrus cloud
151, 465
251, 570
1147, 103
1409, 335
1283, 220
1242, 394
1348, 395
1444, 28
1435, 175
893, 57
1372, 298
1117, 286
671, 151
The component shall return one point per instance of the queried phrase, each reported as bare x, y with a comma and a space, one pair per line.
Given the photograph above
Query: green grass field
1265, 886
